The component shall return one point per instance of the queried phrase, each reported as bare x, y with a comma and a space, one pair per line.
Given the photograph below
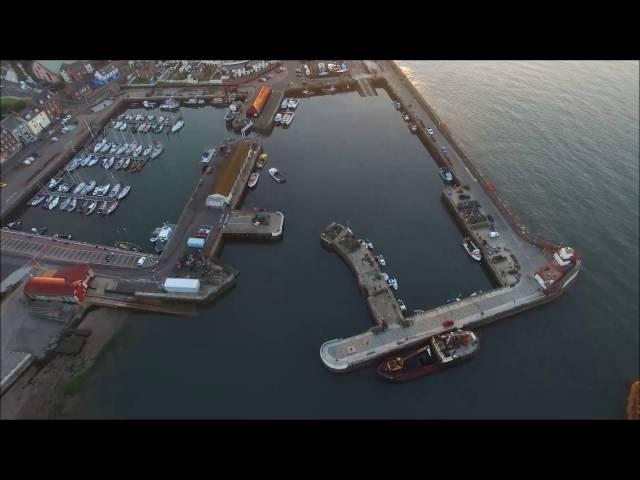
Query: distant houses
41, 72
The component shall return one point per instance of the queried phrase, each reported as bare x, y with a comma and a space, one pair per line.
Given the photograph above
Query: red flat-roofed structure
69, 285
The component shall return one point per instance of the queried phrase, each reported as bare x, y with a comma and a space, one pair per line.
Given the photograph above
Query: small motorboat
114, 191
397, 105
262, 160
90, 208
403, 307
207, 155
15, 225
54, 182
472, 250
89, 187
71, 206
285, 104
413, 127
381, 260
121, 149
113, 149
446, 175
138, 150
102, 210
37, 200
85, 161
177, 126
277, 119
147, 151
406, 117
65, 203
393, 283
124, 192
253, 179
287, 118
293, 103
112, 207
128, 246
119, 164
444, 350
54, 203
276, 175
157, 150
154, 235
93, 159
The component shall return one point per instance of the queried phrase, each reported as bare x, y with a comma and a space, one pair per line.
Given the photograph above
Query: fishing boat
253, 179
293, 103
147, 151
277, 119
90, 186
169, 105
262, 160
207, 155
441, 351
287, 118
93, 159
39, 230
54, 203
90, 208
79, 188
276, 175
472, 250
164, 235
112, 208
446, 175
114, 191
381, 261
122, 149
157, 150
128, 246
72, 205
177, 126
137, 151
285, 104
124, 192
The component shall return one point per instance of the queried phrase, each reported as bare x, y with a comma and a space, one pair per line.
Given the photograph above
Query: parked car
141, 261
430, 131
28, 160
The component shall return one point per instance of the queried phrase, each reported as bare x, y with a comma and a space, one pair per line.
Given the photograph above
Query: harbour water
561, 142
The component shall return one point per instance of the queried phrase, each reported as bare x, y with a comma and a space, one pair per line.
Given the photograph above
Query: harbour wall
497, 198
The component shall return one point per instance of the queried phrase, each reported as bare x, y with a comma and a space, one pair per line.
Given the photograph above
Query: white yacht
207, 155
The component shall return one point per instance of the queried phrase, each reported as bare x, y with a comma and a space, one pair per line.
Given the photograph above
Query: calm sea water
560, 140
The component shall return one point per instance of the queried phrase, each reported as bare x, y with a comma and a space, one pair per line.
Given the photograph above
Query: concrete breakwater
514, 258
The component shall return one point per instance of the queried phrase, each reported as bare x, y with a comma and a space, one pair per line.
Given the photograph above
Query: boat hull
403, 376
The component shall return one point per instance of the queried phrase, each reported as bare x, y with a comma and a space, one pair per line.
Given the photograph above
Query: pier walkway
250, 225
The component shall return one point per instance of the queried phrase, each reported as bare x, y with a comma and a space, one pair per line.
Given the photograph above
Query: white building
37, 120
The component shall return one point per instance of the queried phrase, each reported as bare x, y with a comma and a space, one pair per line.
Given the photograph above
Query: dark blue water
561, 142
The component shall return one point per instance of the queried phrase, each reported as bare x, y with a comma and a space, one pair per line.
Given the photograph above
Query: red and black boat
441, 351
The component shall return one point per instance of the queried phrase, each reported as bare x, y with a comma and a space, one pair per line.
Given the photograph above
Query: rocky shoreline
50, 391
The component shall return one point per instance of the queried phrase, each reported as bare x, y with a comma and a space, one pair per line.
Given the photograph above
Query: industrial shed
259, 102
